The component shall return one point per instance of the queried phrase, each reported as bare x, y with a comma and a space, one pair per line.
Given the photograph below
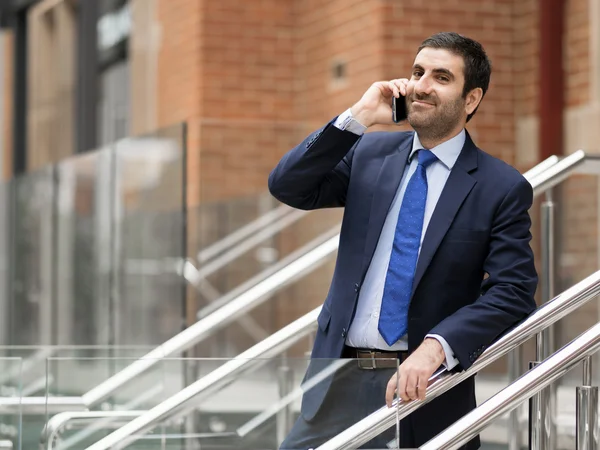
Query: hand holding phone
378, 103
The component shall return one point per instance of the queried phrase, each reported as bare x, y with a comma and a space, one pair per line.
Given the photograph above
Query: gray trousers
354, 394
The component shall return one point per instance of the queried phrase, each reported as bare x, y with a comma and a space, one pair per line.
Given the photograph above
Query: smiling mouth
419, 102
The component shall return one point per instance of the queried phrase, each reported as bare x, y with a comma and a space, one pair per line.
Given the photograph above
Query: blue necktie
405, 252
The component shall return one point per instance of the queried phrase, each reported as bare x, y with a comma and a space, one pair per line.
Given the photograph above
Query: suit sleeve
508, 292
316, 173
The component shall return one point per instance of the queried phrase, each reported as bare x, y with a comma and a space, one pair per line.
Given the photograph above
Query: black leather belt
371, 359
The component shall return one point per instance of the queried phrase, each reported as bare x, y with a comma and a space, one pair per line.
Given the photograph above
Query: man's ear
473, 99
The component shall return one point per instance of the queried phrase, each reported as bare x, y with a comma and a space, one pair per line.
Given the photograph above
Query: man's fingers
402, 386
390, 390
394, 89
411, 385
422, 387
401, 85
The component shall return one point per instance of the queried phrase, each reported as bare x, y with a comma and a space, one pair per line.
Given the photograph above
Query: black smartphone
399, 109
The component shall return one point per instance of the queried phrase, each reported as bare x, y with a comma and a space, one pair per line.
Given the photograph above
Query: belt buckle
362, 362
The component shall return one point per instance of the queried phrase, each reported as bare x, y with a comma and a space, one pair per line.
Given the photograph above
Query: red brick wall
179, 75
576, 45
348, 31
525, 57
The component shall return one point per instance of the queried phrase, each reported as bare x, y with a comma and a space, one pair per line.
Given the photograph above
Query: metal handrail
244, 232
194, 334
542, 376
298, 392
58, 421
538, 171
558, 172
40, 405
213, 381
541, 167
109, 419
268, 231
263, 275
544, 316
382, 419
105, 389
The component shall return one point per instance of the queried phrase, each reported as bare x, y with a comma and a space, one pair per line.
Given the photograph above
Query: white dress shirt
363, 332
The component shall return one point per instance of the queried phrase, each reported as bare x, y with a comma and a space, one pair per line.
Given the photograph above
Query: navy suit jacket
475, 276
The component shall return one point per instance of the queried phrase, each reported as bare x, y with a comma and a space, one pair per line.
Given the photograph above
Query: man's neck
431, 141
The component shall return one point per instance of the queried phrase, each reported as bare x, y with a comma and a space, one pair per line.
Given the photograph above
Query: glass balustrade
228, 404
29, 373
11, 393
113, 247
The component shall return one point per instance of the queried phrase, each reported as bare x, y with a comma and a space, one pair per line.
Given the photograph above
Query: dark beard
437, 126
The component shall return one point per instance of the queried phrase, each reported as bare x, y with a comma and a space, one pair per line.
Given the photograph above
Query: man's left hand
413, 374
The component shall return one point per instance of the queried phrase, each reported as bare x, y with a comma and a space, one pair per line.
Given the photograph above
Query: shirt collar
447, 152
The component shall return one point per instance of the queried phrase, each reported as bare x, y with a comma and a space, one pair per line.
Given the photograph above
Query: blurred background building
137, 133
250, 79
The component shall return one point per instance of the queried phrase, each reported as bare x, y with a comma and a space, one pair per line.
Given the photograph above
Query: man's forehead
437, 58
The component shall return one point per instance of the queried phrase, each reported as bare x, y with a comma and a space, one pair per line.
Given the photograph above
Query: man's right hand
375, 106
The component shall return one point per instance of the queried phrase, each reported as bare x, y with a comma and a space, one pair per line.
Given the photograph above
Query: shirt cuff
346, 122
451, 362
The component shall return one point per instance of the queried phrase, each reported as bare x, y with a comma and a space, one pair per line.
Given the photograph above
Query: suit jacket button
344, 333
356, 287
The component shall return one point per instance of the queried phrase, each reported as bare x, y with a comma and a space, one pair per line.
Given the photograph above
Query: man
434, 261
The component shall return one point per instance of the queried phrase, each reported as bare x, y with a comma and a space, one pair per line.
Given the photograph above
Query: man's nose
423, 86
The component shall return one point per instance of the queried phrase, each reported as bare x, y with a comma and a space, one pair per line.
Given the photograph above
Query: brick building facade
252, 78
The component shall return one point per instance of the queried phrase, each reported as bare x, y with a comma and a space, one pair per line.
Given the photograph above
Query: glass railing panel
74, 376
33, 372
11, 417
31, 260
96, 239
77, 375
149, 240
249, 404
83, 248
33, 376
5, 246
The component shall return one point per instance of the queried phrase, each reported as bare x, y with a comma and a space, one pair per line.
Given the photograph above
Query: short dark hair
478, 67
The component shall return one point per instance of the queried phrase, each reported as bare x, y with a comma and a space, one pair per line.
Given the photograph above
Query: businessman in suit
434, 261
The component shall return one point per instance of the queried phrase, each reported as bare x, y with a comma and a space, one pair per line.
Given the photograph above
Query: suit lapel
458, 186
386, 185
